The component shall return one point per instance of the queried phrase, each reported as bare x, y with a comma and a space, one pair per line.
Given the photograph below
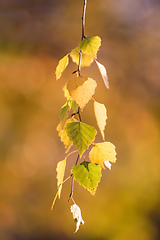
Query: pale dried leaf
101, 116
103, 72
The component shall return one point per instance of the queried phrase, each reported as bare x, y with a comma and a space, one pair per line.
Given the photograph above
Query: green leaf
89, 47
81, 134
64, 112
74, 106
61, 66
88, 175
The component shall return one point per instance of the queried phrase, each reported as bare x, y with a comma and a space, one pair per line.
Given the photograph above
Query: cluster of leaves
72, 131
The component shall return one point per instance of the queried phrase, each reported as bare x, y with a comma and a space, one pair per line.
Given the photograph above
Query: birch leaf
101, 116
72, 104
61, 66
89, 47
60, 175
81, 89
64, 112
63, 134
103, 73
85, 59
102, 152
81, 134
88, 175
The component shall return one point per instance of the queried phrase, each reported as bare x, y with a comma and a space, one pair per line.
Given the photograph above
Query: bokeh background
34, 35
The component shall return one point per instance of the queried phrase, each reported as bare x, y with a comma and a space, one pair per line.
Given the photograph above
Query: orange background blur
34, 35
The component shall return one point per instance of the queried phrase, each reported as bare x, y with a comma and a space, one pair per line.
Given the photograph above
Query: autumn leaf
88, 175
89, 47
101, 116
102, 152
61, 66
103, 73
63, 134
75, 209
60, 175
72, 104
64, 112
81, 134
81, 89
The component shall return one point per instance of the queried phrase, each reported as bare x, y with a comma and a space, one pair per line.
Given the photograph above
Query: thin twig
83, 36
71, 193
83, 18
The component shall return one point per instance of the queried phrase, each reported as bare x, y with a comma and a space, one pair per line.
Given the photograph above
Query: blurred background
34, 35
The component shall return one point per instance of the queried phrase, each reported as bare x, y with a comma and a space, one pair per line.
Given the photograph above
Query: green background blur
34, 35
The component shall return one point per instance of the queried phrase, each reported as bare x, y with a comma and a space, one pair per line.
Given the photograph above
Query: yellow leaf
102, 152
60, 175
85, 59
63, 134
81, 90
89, 48
61, 66
101, 116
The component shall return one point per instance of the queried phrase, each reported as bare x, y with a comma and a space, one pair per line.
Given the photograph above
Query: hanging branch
79, 69
75, 132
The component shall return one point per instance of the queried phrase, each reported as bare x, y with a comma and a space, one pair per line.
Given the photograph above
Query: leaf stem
54, 200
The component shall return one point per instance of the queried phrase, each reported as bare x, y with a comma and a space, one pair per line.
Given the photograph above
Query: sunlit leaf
81, 134
103, 73
88, 175
85, 59
61, 66
63, 134
89, 47
81, 89
102, 152
60, 174
101, 116
66, 92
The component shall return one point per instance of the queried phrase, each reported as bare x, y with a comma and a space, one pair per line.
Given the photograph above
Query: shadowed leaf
63, 134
